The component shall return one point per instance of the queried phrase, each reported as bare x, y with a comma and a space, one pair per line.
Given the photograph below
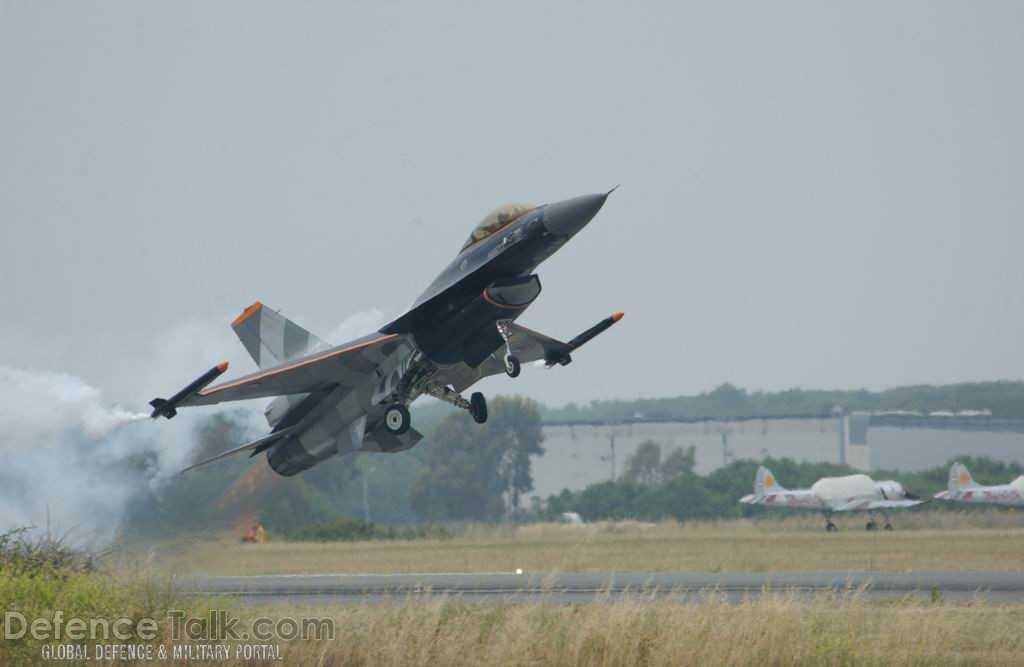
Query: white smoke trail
70, 459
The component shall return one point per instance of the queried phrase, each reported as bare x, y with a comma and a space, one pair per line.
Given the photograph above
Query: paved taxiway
577, 587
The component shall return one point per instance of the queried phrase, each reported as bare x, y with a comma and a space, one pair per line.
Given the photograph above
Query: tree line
1002, 398
464, 471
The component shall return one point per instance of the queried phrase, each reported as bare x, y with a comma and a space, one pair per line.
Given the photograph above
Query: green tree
479, 472
643, 465
679, 463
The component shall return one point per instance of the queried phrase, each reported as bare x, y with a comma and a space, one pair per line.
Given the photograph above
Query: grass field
922, 541
770, 630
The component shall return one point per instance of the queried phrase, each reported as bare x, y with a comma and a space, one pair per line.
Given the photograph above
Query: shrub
344, 529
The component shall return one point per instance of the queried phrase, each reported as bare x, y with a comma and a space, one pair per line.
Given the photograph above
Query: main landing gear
397, 419
476, 405
830, 527
512, 365
873, 525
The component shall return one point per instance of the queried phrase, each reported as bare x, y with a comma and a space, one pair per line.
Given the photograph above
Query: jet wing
346, 364
871, 505
530, 345
527, 345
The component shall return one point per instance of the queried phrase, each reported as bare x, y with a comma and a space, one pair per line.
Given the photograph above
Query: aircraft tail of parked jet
960, 478
764, 484
962, 488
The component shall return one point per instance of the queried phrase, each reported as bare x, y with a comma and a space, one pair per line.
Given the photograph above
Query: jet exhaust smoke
73, 461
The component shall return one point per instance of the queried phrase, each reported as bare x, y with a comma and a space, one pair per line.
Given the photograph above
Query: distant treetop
1003, 398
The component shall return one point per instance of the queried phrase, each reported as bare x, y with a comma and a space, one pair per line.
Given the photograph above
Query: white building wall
581, 454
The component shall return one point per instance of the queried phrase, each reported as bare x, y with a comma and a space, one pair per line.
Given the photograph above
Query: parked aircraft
852, 493
333, 400
963, 489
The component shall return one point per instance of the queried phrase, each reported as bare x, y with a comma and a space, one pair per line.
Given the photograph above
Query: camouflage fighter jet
852, 493
963, 489
334, 400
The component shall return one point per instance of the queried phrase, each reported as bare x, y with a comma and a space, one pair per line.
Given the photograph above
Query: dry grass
922, 541
769, 630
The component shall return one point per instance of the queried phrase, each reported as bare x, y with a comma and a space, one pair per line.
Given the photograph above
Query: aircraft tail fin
271, 338
960, 478
765, 484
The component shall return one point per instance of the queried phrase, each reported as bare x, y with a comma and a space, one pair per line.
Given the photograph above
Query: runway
585, 587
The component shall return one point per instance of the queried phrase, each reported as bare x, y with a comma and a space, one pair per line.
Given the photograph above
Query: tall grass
771, 629
775, 629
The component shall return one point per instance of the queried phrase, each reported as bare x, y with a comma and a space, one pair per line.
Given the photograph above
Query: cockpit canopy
497, 219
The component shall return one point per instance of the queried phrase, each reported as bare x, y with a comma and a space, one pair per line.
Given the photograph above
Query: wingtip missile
585, 337
167, 407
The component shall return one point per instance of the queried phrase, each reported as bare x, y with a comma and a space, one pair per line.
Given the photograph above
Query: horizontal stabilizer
256, 446
382, 440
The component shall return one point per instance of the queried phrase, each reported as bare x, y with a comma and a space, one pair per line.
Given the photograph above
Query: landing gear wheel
397, 419
888, 526
512, 366
478, 407
871, 526
830, 527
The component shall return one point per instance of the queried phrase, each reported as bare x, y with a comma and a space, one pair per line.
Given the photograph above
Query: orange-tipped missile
167, 407
584, 337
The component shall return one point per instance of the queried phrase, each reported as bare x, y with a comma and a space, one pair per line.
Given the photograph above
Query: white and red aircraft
852, 493
962, 488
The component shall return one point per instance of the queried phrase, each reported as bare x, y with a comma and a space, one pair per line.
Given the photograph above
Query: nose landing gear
512, 365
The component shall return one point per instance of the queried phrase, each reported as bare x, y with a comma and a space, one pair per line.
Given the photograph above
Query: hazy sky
813, 194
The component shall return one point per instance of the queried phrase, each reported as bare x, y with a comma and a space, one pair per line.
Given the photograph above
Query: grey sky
814, 194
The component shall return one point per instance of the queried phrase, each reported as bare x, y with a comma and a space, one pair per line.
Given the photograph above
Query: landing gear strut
477, 404
512, 365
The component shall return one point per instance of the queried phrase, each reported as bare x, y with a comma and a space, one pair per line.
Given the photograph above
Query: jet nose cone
569, 216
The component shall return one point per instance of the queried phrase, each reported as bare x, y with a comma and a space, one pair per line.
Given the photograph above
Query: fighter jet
962, 488
852, 493
334, 400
